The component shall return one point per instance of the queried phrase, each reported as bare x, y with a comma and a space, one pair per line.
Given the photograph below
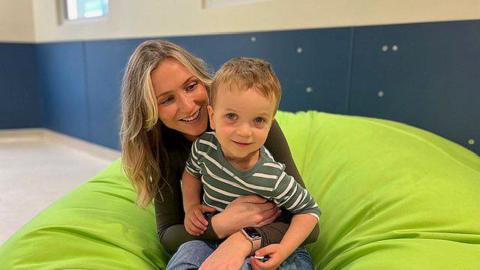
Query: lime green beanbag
392, 197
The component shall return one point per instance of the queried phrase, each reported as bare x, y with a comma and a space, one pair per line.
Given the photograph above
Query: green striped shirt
222, 183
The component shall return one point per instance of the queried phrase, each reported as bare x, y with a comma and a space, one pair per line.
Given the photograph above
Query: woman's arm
230, 254
170, 215
277, 144
243, 212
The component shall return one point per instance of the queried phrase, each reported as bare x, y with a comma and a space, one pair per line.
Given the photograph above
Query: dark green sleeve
169, 218
278, 147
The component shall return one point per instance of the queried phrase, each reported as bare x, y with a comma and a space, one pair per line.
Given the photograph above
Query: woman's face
181, 98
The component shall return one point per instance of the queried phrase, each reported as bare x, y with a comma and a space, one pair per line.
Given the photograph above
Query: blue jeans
192, 254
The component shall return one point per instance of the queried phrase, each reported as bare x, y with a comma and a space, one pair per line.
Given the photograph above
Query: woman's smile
192, 118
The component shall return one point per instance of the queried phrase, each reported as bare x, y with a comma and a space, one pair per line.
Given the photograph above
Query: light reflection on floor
34, 172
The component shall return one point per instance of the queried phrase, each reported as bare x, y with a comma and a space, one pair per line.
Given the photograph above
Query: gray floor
34, 172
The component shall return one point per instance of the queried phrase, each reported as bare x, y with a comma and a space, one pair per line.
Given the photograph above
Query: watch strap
255, 241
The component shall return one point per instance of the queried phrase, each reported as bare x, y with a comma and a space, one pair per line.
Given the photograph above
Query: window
85, 9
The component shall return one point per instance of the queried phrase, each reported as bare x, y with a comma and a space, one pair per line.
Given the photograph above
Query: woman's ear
210, 116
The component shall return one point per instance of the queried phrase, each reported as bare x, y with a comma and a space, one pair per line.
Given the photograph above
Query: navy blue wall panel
63, 87
105, 63
322, 65
431, 81
20, 101
316, 59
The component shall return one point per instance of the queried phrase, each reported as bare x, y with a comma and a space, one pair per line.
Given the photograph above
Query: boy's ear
210, 116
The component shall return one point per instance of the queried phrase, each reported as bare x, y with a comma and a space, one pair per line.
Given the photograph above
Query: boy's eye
231, 116
260, 120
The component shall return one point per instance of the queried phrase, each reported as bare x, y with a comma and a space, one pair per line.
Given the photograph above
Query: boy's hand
276, 253
195, 222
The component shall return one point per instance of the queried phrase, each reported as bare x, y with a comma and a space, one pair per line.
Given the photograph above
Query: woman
165, 93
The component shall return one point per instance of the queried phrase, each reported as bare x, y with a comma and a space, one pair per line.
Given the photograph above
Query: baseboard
32, 134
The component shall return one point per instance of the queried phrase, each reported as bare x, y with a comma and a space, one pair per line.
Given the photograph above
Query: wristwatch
254, 237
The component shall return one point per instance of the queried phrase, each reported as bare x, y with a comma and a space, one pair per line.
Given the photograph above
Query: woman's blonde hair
145, 159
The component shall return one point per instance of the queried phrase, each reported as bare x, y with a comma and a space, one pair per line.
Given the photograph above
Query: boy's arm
191, 184
195, 222
191, 190
277, 144
287, 193
290, 195
300, 228
298, 231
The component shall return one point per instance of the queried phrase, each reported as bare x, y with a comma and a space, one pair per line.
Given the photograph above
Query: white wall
16, 21
144, 18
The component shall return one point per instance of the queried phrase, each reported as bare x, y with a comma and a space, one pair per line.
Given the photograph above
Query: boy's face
241, 120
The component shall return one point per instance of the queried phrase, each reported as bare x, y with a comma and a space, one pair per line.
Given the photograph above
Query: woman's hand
230, 255
245, 211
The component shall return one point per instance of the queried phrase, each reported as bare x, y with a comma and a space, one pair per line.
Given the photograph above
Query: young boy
232, 161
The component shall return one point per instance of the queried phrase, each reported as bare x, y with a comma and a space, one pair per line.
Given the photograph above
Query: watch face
251, 232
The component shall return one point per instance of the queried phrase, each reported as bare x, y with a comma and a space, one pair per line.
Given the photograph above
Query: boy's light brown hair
243, 73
